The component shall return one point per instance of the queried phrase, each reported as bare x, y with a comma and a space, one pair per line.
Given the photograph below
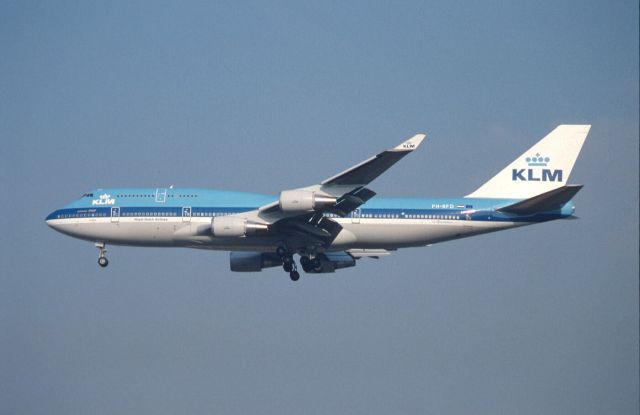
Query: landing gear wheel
305, 262
102, 258
316, 264
287, 263
294, 275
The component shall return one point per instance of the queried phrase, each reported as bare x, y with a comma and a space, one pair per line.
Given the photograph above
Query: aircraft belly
369, 233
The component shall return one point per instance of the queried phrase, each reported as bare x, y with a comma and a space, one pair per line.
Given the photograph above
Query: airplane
332, 224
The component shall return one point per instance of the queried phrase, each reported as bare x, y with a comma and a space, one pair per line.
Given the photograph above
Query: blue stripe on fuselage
204, 197
144, 202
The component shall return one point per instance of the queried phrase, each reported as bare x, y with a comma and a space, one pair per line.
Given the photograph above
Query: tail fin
544, 167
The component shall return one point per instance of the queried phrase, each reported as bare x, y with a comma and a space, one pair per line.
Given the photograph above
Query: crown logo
105, 196
537, 160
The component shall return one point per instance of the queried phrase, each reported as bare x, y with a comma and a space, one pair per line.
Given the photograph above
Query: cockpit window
87, 195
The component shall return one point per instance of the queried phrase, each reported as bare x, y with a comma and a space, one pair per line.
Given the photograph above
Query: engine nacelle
232, 226
331, 261
252, 261
303, 200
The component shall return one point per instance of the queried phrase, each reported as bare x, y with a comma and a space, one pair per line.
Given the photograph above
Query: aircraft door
115, 214
186, 214
355, 215
161, 195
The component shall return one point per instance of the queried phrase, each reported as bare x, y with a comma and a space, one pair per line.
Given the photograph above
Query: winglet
411, 144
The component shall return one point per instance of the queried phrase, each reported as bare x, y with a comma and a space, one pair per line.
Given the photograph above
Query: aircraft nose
50, 220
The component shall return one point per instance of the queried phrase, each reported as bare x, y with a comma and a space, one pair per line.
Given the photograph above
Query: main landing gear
102, 258
308, 263
288, 264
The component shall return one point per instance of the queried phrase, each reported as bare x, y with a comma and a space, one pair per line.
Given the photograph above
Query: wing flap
368, 253
314, 225
351, 201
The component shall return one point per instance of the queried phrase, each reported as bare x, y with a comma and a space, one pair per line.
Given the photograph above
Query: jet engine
232, 226
252, 261
303, 200
330, 262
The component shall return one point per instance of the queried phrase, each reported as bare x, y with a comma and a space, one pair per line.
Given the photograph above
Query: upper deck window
87, 195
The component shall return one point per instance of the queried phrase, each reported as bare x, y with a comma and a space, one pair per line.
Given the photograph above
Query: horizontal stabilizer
551, 200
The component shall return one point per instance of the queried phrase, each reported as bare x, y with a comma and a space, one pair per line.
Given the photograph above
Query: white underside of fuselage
364, 233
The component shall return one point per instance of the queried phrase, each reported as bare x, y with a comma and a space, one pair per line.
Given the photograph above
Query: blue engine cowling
331, 261
252, 261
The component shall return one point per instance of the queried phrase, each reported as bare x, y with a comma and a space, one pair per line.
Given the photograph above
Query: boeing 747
331, 224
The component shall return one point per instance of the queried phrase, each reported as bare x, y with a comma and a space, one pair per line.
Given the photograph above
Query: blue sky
264, 96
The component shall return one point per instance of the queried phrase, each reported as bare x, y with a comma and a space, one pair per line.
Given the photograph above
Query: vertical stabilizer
544, 167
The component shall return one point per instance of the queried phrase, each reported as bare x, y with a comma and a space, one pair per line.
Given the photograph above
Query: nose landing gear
102, 258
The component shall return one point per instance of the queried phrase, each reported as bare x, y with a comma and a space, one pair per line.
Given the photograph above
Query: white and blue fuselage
332, 223
182, 217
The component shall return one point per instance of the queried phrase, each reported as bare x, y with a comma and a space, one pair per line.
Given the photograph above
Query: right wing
364, 173
301, 214
344, 192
